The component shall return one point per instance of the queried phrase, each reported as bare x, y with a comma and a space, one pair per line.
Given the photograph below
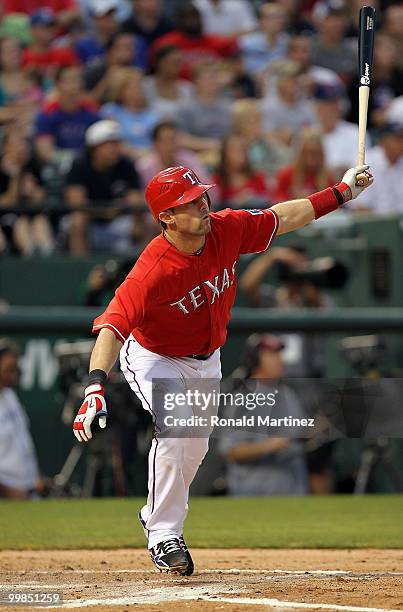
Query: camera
322, 272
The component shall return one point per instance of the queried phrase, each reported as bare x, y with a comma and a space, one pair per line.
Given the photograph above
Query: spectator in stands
265, 154
165, 91
226, 17
19, 94
206, 119
258, 464
386, 83
393, 27
297, 22
260, 49
330, 48
147, 20
19, 474
21, 186
99, 176
286, 113
123, 12
386, 159
121, 52
238, 83
104, 24
128, 106
61, 125
66, 11
308, 173
394, 113
195, 45
238, 185
167, 153
339, 136
42, 54
299, 50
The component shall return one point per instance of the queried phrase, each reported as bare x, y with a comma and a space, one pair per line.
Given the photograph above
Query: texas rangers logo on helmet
190, 175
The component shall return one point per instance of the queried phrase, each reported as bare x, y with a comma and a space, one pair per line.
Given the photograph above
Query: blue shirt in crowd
66, 127
136, 126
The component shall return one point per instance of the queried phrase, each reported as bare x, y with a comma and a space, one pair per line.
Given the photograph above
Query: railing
79, 319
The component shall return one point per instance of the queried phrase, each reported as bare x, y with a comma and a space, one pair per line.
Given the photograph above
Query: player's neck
190, 245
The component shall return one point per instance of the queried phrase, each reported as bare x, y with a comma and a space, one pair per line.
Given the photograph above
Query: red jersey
53, 58
197, 49
29, 6
255, 189
176, 304
285, 178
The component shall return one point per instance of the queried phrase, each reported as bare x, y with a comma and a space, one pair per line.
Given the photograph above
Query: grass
313, 522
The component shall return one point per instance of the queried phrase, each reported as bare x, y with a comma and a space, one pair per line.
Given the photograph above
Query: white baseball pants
173, 461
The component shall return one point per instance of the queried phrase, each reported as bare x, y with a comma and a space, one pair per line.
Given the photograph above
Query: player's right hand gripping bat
365, 57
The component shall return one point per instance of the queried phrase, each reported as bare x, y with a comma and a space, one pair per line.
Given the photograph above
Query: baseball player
168, 321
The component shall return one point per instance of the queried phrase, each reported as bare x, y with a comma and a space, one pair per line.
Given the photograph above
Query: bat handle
363, 93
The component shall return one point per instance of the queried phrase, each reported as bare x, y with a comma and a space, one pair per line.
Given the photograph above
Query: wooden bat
365, 59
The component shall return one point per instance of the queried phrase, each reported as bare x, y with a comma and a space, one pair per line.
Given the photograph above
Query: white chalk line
11, 586
268, 575
233, 570
172, 594
277, 603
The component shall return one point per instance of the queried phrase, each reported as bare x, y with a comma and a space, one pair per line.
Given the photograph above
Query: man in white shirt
19, 474
226, 17
340, 138
288, 112
386, 159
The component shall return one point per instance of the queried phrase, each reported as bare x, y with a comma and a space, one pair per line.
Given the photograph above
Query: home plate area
233, 580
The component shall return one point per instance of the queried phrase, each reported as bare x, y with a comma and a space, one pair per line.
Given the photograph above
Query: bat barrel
366, 44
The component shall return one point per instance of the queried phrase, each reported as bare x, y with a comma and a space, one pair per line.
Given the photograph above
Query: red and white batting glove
348, 186
93, 406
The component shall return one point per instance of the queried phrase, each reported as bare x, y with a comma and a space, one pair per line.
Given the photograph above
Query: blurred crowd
259, 97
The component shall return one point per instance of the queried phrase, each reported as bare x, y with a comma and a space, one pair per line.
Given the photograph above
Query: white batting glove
93, 406
348, 186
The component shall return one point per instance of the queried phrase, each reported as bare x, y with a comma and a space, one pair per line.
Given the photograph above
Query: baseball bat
365, 60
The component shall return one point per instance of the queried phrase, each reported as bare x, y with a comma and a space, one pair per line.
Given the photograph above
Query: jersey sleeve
258, 229
124, 312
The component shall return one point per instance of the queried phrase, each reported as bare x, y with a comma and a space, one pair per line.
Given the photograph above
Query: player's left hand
93, 406
349, 187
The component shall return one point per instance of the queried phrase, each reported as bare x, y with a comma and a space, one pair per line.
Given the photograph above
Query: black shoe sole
179, 569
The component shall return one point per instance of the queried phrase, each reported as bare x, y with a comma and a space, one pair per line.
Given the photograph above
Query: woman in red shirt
308, 173
238, 185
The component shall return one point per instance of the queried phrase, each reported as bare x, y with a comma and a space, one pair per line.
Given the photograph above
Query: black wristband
339, 196
97, 377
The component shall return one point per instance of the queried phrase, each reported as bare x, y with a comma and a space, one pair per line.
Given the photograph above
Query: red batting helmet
172, 187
